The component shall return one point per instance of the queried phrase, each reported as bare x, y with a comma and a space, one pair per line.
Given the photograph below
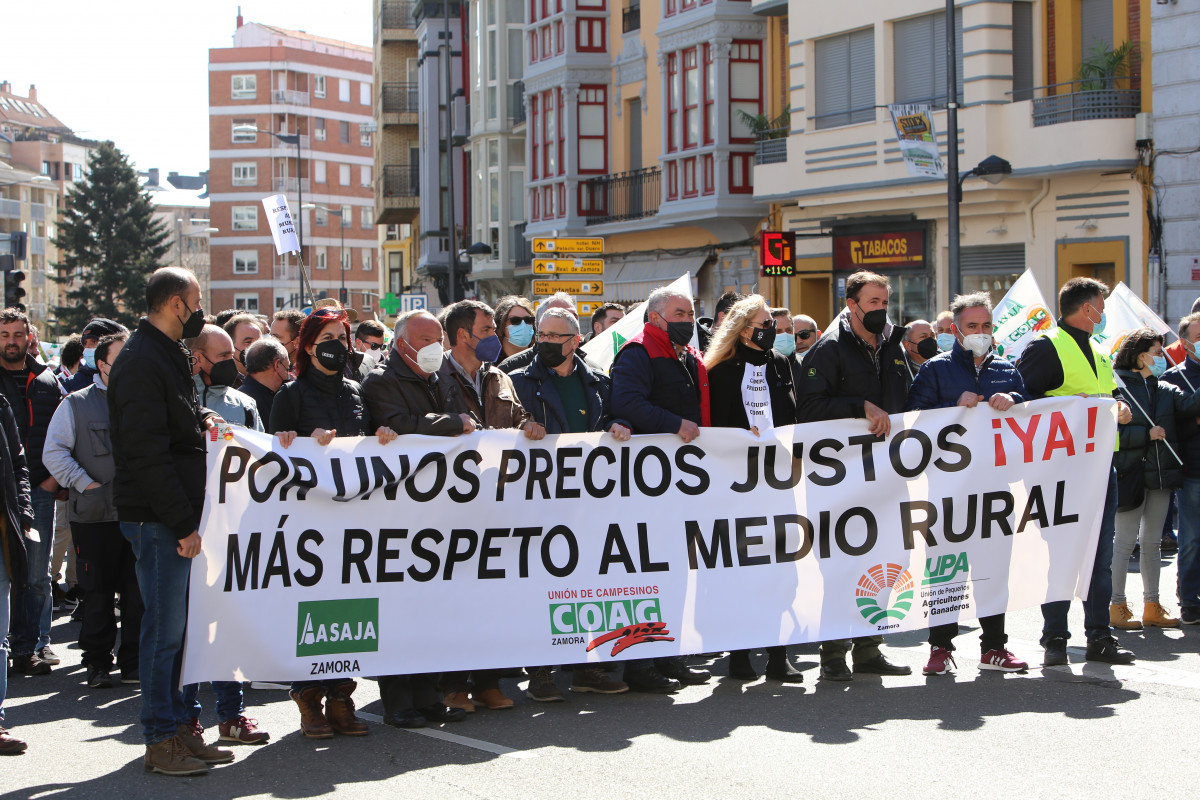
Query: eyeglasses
766, 326
520, 321
803, 335
374, 345
553, 337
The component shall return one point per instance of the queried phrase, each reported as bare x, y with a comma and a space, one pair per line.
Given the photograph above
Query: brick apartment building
290, 82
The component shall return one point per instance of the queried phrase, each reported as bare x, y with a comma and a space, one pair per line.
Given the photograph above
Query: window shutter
1022, 35
862, 75
1096, 24
833, 81
915, 59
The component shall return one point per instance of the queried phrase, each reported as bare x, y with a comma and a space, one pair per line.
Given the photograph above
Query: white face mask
980, 344
429, 357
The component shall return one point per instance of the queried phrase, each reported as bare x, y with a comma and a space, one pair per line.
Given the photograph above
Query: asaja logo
337, 626
944, 569
885, 590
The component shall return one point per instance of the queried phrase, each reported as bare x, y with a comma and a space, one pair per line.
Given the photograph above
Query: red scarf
658, 345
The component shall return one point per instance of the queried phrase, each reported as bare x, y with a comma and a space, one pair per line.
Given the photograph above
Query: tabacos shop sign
874, 251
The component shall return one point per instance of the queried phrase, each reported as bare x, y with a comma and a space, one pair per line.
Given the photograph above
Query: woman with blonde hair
750, 387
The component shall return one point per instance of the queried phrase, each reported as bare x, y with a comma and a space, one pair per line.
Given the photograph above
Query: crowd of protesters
103, 461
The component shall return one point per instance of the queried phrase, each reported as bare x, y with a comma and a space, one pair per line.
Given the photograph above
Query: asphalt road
1080, 731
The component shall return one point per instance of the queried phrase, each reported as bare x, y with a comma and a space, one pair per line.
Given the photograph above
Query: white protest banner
917, 137
1020, 317
430, 554
279, 218
1139, 309
601, 350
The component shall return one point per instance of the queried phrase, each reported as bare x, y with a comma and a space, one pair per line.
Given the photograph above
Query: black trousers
105, 567
992, 638
400, 692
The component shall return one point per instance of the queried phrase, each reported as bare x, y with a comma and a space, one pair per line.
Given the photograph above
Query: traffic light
13, 290
344, 296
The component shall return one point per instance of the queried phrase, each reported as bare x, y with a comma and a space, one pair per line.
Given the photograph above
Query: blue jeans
230, 703
162, 576
1095, 608
1188, 561
5, 586
33, 606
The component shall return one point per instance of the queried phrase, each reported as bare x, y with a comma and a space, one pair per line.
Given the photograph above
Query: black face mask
193, 324
763, 338
241, 356
332, 355
223, 373
927, 348
680, 333
551, 353
875, 321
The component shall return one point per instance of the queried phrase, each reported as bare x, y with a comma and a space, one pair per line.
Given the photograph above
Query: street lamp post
289, 138
992, 169
342, 296
448, 67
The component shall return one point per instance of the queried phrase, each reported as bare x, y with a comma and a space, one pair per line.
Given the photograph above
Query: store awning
632, 280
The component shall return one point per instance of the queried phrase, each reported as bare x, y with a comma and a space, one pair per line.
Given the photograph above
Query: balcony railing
37, 212
397, 14
401, 181
631, 18
289, 97
10, 209
400, 98
770, 147
284, 149
516, 104
37, 245
1074, 101
287, 273
288, 185
622, 196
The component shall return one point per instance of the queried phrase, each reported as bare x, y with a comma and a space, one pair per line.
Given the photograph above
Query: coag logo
885, 590
1039, 319
623, 622
944, 569
337, 626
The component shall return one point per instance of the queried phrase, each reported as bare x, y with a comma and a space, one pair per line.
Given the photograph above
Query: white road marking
465, 741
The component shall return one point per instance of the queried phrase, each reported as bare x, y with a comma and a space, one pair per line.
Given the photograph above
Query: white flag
1120, 319
1139, 309
601, 350
1020, 317
283, 230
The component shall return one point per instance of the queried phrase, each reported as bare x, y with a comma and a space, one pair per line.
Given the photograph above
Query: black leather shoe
740, 666
836, 671
879, 665
405, 718
780, 668
1108, 651
1056, 653
678, 669
651, 680
441, 713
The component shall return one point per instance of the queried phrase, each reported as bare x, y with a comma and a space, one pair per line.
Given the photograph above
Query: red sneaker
242, 731
1002, 660
938, 658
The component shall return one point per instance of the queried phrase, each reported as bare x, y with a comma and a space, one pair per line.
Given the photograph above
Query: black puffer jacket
840, 373
316, 400
18, 513
1186, 376
407, 403
1166, 405
725, 388
157, 433
41, 397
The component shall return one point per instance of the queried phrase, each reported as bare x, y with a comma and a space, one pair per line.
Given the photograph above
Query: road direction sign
594, 288
543, 246
568, 266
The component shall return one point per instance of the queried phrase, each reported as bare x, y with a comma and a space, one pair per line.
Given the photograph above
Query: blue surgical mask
1098, 328
488, 349
89, 357
945, 342
785, 345
1159, 366
520, 335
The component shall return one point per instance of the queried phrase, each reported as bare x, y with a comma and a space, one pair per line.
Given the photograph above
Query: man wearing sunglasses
368, 337
804, 328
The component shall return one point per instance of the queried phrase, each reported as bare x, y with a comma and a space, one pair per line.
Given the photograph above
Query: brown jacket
398, 398
499, 406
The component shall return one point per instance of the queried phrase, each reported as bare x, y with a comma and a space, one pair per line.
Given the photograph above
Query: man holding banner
858, 370
1065, 361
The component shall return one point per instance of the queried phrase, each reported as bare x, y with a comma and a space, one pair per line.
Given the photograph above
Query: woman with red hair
321, 403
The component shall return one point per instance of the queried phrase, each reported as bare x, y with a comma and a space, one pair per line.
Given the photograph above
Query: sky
136, 71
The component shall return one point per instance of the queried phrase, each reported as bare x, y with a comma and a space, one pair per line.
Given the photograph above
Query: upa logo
885, 590
337, 626
945, 568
